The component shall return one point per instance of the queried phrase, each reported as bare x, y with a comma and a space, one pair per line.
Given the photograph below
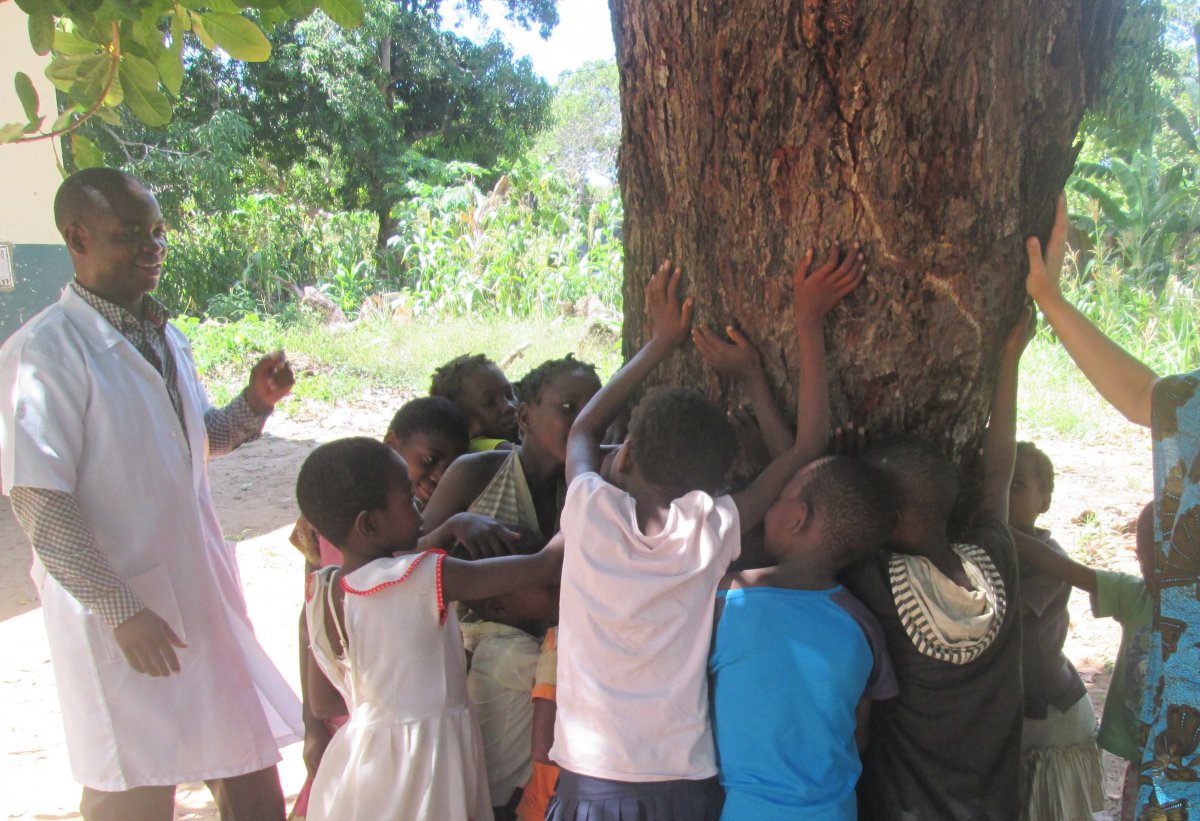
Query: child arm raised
813, 296
1000, 440
739, 359
671, 320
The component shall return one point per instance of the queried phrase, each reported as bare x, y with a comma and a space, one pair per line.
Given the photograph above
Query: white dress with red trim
411, 749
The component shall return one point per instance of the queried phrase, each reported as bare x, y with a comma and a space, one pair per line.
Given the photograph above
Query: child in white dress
382, 627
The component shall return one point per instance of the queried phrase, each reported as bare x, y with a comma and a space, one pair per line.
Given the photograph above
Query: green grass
333, 364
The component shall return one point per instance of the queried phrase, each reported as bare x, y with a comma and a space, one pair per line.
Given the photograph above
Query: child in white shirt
646, 546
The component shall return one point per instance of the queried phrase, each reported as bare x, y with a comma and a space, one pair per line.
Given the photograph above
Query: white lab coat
81, 411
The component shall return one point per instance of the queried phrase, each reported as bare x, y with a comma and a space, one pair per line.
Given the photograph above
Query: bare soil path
1100, 488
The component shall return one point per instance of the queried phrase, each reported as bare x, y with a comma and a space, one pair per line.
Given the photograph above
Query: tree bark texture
935, 132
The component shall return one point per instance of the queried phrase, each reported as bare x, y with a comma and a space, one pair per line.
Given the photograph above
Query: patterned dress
1170, 770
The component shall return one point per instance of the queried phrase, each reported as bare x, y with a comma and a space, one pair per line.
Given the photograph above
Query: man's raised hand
271, 379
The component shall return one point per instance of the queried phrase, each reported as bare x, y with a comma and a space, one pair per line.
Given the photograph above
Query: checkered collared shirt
54, 520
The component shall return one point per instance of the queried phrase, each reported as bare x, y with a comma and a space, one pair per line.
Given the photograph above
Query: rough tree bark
936, 132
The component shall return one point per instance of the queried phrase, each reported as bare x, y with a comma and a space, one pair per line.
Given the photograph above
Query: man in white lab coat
105, 432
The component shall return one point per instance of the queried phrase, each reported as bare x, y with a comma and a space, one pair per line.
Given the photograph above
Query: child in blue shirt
788, 749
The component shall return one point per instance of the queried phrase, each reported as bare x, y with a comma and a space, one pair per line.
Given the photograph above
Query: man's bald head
89, 190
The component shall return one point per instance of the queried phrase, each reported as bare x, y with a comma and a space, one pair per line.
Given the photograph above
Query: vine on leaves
105, 53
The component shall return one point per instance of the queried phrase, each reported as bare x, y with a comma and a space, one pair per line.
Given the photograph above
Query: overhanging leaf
41, 32
108, 115
297, 9
10, 132
238, 36
63, 120
346, 13
86, 154
67, 69
201, 32
170, 62
139, 79
28, 95
68, 42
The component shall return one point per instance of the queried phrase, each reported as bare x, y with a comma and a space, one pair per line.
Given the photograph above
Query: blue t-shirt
788, 670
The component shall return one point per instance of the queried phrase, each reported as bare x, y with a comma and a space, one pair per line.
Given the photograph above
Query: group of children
615, 654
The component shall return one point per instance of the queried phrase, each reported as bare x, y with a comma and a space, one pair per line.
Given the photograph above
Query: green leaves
239, 37
346, 13
86, 154
28, 95
41, 32
139, 79
170, 62
105, 52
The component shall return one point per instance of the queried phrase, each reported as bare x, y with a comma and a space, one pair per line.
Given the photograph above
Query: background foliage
401, 159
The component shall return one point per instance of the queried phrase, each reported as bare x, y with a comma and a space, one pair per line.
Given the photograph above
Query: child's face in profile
546, 422
427, 455
490, 404
399, 524
1027, 498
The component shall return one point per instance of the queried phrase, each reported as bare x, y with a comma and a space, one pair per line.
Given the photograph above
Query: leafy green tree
105, 53
585, 123
366, 109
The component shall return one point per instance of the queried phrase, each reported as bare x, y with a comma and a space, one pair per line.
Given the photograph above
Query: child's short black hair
531, 384
681, 441
857, 503
449, 378
340, 479
925, 478
432, 415
1043, 468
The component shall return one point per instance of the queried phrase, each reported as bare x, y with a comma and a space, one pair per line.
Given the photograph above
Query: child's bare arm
670, 320
1038, 555
862, 726
482, 579
324, 699
813, 296
544, 713
1000, 440
740, 360
1123, 381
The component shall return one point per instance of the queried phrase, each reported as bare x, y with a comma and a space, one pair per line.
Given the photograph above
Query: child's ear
392, 440
800, 519
364, 524
622, 462
522, 418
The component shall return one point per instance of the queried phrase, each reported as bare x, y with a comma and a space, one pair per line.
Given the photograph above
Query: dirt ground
1100, 487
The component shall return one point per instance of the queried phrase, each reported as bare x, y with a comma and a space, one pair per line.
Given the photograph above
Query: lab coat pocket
154, 589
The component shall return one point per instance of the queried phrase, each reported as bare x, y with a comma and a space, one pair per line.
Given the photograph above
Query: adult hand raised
270, 380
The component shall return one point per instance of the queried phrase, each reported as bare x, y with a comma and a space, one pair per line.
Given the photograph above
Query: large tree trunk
936, 132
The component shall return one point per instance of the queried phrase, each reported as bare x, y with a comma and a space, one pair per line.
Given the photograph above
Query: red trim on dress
441, 604
308, 586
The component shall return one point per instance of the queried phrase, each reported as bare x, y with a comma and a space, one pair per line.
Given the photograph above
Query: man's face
118, 247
